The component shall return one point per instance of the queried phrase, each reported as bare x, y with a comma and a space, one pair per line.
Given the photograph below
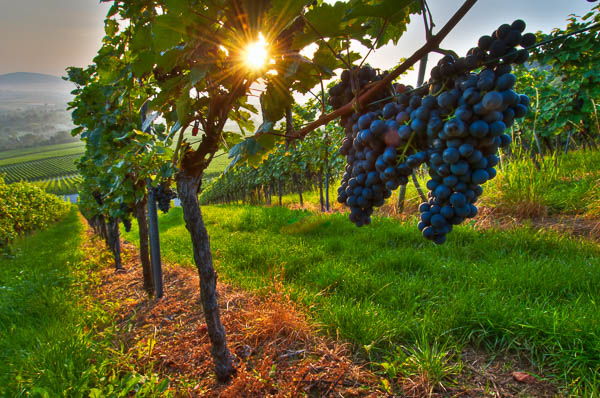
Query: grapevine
156, 58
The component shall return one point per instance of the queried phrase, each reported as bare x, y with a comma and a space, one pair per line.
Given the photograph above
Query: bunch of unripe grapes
163, 196
456, 127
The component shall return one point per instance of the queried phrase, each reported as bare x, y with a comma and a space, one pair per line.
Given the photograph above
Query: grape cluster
163, 196
127, 224
475, 110
383, 155
344, 92
456, 127
502, 45
126, 212
465, 130
491, 51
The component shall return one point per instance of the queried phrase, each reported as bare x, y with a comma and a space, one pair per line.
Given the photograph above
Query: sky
46, 36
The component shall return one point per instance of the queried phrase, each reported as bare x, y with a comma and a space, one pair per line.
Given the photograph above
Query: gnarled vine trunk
188, 188
102, 229
280, 192
142, 219
321, 198
114, 242
298, 183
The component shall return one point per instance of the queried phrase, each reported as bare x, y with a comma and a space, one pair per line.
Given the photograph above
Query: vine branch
416, 57
427, 20
383, 26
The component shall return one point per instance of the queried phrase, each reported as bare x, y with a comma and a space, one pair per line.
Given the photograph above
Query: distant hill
33, 110
33, 81
25, 89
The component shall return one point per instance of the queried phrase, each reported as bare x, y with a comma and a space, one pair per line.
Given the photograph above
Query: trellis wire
542, 43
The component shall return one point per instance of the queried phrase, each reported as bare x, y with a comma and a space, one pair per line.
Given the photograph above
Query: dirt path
278, 351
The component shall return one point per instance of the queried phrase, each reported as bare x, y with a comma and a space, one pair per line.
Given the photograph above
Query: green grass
564, 184
41, 152
534, 293
55, 341
217, 166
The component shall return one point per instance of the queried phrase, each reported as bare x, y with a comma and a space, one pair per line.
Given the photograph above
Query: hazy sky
46, 36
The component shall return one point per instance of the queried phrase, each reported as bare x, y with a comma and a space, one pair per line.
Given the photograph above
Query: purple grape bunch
455, 125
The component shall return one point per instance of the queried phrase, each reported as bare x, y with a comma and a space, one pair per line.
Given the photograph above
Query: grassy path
34, 315
463, 316
72, 327
55, 340
522, 291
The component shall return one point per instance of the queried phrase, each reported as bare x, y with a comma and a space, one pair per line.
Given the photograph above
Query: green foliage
25, 208
55, 340
119, 157
205, 83
563, 81
289, 168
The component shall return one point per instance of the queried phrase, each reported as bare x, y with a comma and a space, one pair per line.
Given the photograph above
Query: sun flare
256, 53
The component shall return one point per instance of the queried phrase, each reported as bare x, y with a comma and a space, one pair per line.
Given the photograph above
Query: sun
256, 54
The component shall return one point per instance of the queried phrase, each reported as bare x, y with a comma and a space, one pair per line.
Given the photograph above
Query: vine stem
596, 115
383, 26
416, 57
428, 23
178, 147
338, 56
537, 108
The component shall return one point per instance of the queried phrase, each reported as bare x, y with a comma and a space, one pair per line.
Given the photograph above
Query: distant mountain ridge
24, 89
41, 84
28, 79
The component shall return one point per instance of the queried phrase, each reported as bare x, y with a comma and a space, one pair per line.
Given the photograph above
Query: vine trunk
142, 219
188, 188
